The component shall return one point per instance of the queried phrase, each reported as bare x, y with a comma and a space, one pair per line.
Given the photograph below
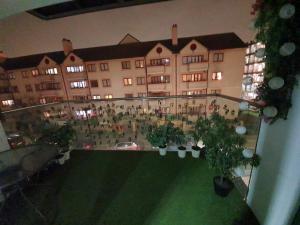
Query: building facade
176, 66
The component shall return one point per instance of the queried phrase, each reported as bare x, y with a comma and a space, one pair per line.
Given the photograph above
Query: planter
196, 151
222, 189
67, 155
202, 152
162, 150
181, 152
60, 159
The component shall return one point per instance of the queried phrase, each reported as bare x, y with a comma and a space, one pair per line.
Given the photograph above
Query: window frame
79, 81
94, 81
139, 63
106, 83
217, 58
215, 76
126, 81
124, 65
138, 79
91, 67
104, 67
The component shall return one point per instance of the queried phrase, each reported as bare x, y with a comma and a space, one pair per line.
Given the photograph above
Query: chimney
67, 46
174, 35
3, 57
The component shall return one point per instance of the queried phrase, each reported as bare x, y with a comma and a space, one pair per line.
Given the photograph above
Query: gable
193, 47
154, 52
47, 62
72, 59
128, 38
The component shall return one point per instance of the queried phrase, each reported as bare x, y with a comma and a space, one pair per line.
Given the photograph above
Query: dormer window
74, 69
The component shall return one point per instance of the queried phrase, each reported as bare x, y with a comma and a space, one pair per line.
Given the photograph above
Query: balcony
113, 168
194, 67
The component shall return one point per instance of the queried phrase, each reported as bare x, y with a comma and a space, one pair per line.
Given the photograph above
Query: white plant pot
195, 154
162, 151
181, 153
61, 161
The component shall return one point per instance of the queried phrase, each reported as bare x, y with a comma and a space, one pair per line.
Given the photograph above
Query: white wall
24, 34
274, 192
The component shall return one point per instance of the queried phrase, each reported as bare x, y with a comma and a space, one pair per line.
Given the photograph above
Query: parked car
127, 146
15, 140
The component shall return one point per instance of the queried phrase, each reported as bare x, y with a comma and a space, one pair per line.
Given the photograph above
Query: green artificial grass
131, 188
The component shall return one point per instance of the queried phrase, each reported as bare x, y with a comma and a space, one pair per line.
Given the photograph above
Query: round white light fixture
287, 11
270, 111
260, 52
287, 49
239, 171
248, 153
240, 130
276, 83
244, 105
248, 80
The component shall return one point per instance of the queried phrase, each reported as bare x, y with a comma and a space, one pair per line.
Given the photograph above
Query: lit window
82, 113
8, 102
126, 65
160, 62
79, 84
195, 92
217, 76
160, 79
74, 69
11, 76
194, 77
35, 72
96, 97
127, 81
46, 114
104, 67
108, 96
91, 67
139, 64
218, 57
51, 71
106, 83
43, 100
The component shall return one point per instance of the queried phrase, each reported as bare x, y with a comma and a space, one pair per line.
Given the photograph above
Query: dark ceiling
76, 7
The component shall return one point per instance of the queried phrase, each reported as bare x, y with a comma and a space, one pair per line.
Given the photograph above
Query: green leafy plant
224, 146
157, 136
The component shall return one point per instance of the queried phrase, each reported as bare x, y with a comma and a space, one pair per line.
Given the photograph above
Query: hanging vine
278, 28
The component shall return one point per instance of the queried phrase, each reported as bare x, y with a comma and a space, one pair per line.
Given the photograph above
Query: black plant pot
224, 188
202, 152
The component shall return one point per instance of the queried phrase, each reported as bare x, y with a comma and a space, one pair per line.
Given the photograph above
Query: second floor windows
127, 81
96, 97
94, 83
160, 79
160, 62
125, 65
91, 67
47, 86
51, 71
217, 76
106, 83
75, 69
35, 72
218, 57
194, 77
195, 92
140, 80
8, 102
79, 84
11, 76
192, 59
139, 64
104, 67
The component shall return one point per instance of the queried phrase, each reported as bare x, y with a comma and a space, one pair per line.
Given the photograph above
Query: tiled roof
138, 49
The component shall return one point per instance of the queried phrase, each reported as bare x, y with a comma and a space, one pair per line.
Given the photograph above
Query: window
218, 57
96, 97
28, 88
47, 86
91, 67
43, 100
79, 97
192, 59
194, 77
160, 79
94, 83
35, 72
217, 76
215, 91
140, 80
195, 92
126, 65
128, 95
24, 74
139, 64
160, 62
51, 71
107, 96
13, 89
127, 81
8, 102
79, 84
106, 83
142, 94
104, 67
74, 69
11, 76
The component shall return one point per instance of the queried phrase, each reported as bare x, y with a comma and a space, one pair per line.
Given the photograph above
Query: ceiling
52, 9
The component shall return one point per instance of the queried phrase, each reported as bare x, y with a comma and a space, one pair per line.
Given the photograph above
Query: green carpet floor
131, 188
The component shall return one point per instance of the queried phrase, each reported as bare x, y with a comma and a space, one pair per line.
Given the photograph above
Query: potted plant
202, 127
224, 150
157, 136
180, 141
